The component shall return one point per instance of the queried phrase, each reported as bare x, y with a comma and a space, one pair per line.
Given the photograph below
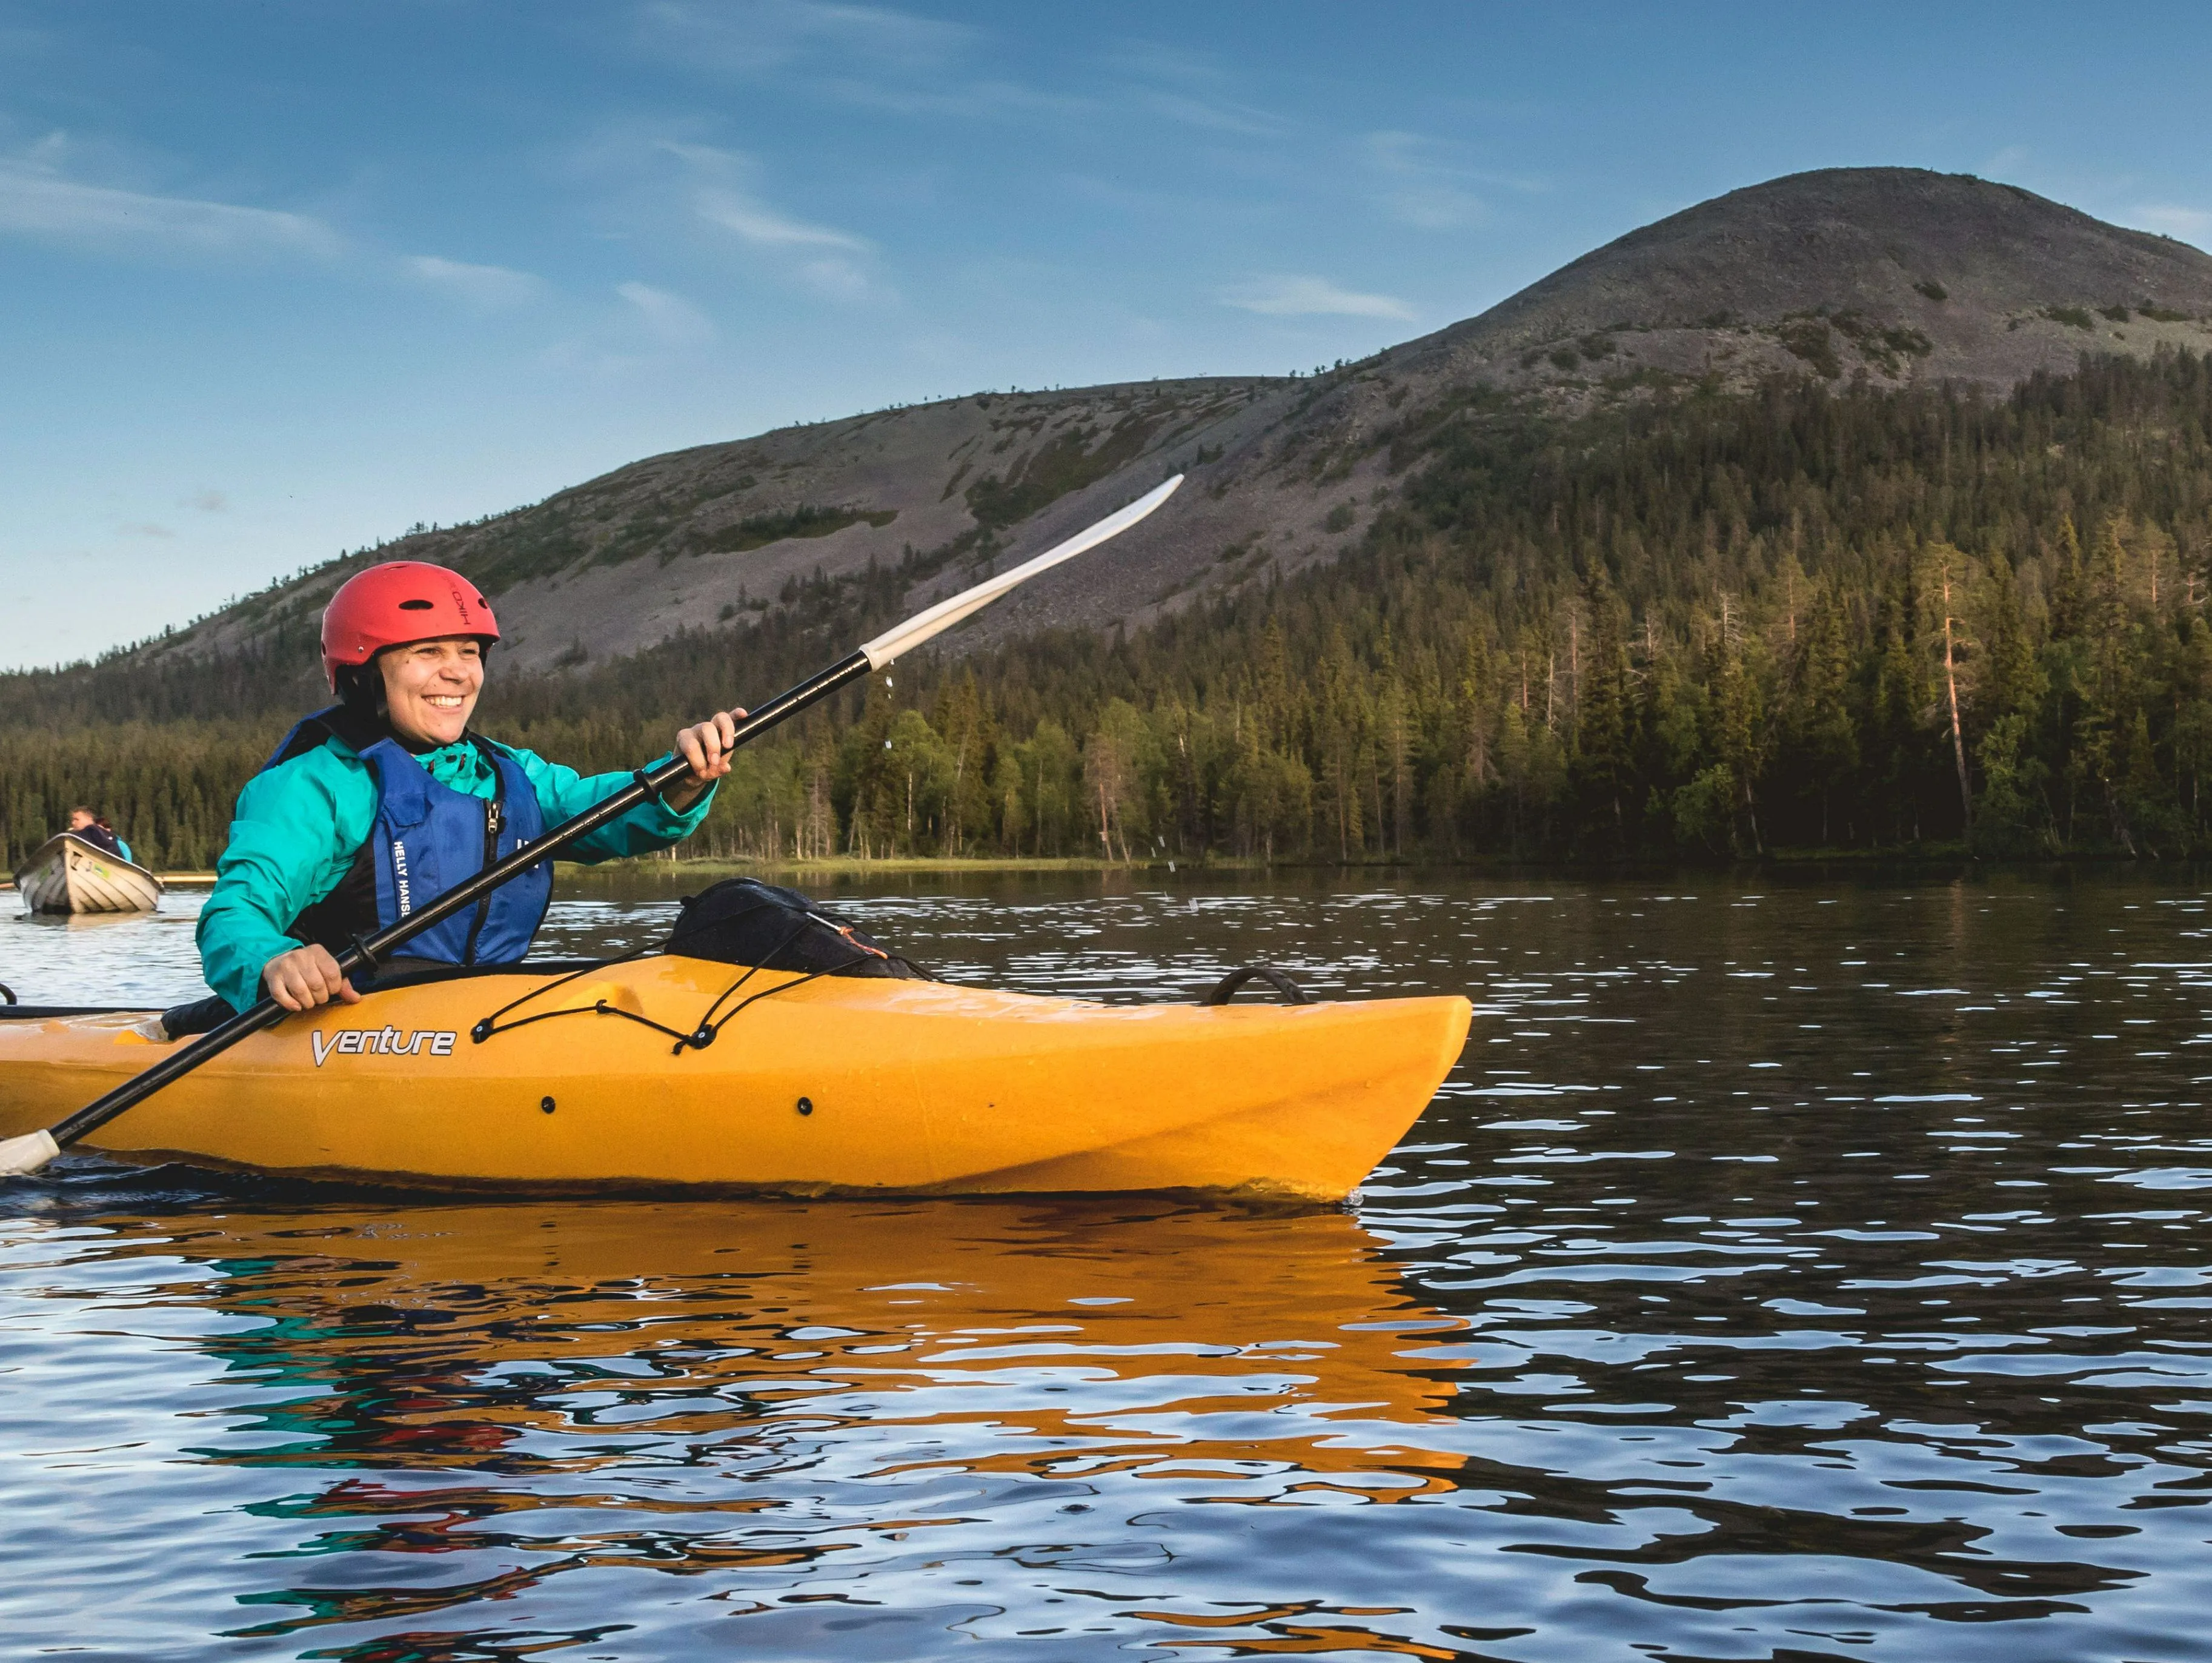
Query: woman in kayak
369, 809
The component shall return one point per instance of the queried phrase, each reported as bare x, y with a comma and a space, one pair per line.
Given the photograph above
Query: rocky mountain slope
1894, 276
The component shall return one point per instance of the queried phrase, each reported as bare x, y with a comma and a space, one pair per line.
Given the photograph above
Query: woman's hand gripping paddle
31, 1152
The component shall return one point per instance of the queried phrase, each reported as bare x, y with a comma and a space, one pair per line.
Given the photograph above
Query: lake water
1792, 1269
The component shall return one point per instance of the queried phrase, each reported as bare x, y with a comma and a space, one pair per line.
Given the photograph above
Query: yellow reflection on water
1064, 1340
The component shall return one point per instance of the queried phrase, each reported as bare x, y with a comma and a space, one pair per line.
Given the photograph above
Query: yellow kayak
816, 1085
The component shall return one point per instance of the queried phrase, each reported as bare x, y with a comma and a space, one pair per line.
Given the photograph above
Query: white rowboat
69, 874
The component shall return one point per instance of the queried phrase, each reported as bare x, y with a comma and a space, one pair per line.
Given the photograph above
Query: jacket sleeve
563, 793
293, 836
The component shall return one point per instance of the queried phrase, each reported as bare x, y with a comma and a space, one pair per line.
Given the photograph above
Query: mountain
1887, 277
1902, 275
1862, 509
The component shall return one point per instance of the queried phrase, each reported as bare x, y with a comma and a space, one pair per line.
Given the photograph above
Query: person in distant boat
94, 830
370, 808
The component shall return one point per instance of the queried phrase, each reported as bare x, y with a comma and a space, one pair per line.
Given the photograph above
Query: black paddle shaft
376, 948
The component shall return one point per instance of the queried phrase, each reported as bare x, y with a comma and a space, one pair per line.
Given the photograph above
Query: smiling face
430, 688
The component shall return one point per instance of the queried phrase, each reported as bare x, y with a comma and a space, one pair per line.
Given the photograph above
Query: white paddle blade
21, 1157
904, 638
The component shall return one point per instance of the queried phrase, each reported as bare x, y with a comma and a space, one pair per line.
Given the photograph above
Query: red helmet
399, 602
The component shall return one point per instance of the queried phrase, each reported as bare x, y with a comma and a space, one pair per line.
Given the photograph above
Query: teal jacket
299, 824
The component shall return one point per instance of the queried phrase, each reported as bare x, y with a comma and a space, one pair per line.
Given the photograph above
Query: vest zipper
494, 817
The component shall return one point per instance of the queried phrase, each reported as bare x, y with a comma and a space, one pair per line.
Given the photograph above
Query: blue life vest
427, 837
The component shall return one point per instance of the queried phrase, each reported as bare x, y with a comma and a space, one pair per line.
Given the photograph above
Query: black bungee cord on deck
708, 1027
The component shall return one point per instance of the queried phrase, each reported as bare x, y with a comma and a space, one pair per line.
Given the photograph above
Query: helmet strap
360, 697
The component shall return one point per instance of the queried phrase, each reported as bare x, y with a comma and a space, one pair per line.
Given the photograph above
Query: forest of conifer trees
1709, 627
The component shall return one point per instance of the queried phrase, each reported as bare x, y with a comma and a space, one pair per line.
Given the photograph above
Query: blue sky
284, 279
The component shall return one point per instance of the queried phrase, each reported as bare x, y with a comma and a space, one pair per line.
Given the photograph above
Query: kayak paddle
31, 1152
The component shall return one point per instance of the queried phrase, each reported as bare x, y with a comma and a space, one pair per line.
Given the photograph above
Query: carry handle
1227, 988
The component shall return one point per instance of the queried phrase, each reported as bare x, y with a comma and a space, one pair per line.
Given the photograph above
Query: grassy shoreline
842, 865
1949, 857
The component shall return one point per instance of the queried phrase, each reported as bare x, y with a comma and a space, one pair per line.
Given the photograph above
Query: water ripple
1815, 1271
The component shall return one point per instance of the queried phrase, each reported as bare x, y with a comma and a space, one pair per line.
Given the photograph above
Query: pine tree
1778, 562
1820, 727
1604, 747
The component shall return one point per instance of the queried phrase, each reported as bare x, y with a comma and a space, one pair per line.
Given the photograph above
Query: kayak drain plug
545, 1104
806, 1105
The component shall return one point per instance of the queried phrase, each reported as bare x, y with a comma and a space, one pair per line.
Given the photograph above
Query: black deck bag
742, 920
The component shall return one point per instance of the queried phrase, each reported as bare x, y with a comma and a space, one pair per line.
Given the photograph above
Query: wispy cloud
958, 97
1191, 89
487, 287
2174, 220
207, 502
1214, 116
757, 37
838, 280
764, 228
670, 318
143, 528
1312, 297
876, 57
830, 262
40, 204
1419, 188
